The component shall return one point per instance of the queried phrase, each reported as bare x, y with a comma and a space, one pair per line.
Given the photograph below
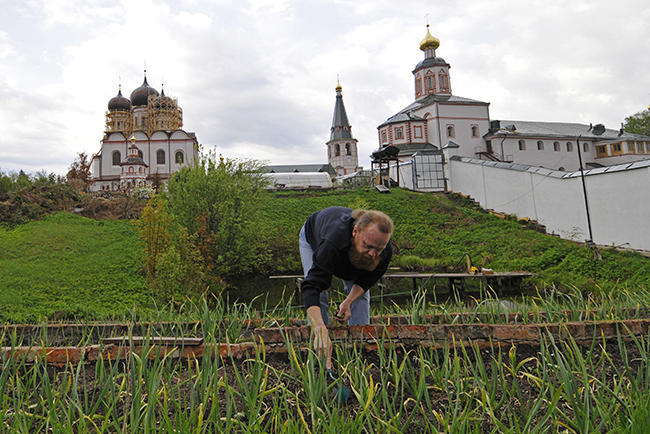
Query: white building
439, 120
342, 151
155, 121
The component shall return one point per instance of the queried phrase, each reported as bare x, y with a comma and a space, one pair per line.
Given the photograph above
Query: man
352, 245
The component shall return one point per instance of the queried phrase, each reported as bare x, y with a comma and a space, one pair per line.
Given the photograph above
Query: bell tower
342, 147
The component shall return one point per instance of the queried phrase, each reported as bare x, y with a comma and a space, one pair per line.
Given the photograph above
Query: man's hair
364, 217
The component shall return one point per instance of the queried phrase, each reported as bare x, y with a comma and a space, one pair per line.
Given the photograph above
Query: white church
582, 181
143, 142
437, 119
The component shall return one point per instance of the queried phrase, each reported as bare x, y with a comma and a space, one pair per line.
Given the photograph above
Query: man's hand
344, 313
322, 342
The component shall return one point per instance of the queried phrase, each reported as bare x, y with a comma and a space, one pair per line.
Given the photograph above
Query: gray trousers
360, 308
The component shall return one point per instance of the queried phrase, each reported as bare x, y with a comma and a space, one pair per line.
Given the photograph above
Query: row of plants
557, 386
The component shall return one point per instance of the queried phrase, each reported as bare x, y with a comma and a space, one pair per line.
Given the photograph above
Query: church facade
438, 120
143, 141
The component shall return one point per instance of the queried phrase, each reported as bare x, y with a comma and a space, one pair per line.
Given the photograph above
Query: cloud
256, 78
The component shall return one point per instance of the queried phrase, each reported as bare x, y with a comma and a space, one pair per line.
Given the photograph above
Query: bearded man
352, 245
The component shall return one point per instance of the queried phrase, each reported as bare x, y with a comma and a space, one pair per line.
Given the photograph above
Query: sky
256, 78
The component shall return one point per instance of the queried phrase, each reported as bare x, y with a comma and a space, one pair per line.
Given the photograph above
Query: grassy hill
70, 267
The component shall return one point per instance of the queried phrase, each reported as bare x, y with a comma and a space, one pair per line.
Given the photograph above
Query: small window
179, 157
451, 132
398, 133
617, 147
131, 169
585, 147
474, 131
569, 147
383, 137
522, 145
160, 157
347, 149
647, 147
117, 158
630, 147
540, 145
556, 146
140, 153
418, 85
337, 150
639, 147
601, 150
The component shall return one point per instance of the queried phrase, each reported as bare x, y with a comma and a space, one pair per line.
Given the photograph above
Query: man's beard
362, 261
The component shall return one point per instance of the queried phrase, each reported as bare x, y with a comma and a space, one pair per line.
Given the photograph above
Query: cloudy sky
256, 78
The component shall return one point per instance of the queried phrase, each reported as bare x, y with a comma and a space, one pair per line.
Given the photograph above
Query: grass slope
66, 266
70, 267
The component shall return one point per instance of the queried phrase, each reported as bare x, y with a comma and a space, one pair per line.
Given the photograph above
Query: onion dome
338, 87
141, 95
163, 101
429, 41
119, 102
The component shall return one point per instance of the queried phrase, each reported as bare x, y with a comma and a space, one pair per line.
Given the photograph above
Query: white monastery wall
619, 203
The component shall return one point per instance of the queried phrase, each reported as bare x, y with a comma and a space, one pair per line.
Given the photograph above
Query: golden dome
338, 87
429, 41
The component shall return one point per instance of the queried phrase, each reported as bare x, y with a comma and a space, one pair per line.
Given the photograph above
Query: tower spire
342, 147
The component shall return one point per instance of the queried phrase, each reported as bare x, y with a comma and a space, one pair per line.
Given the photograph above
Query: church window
140, 154
451, 131
474, 130
418, 85
630, 147
616, 147
569, 147
117, 157
639, 147
540, 145
131, 169
179, 157
398, 133
383, 137
444, 81
601, 151
585, 147
337, 150
141, 170
417, 132
522, 145
556, 146
347, 149
160, 156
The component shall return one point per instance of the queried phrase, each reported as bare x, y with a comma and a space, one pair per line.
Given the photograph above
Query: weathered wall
618, 197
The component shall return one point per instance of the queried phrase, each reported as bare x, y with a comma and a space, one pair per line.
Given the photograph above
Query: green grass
66, 266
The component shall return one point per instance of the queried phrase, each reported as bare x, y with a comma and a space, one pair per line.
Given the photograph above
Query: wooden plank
157, 340
382, 188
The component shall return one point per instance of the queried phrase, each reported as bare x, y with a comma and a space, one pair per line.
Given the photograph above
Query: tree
219, 204
79, 173
638, 123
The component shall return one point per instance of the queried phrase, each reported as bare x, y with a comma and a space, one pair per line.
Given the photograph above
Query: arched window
585, 147
522, 145
160, 157
337, 150
556, 146
131, 169
117, 158
444, 81
474, 131
418, 85
430, 82
540, 145
569, 147
179, 157
140, 154
347, 149
451, 132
